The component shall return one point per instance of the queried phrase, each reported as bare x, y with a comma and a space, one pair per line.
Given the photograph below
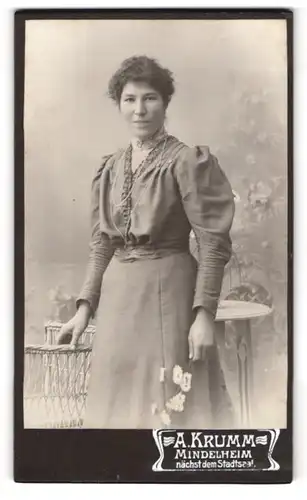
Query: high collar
150, 142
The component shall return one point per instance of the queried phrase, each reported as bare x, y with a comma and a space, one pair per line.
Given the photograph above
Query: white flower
154, 408
186, 382
165, 417
176, 403
177, 374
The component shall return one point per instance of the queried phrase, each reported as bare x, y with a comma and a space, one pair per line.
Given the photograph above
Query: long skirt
141, 376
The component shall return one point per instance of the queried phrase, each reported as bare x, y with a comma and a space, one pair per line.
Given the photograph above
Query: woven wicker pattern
55, 381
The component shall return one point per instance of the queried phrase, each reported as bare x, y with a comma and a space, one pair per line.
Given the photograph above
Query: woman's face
143, 109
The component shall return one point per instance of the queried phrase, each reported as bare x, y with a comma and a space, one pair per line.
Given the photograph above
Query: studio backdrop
231, 95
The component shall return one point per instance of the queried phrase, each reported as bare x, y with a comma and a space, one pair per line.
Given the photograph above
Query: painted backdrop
231, 94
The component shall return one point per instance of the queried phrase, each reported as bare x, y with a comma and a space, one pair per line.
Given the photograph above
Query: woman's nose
140, 108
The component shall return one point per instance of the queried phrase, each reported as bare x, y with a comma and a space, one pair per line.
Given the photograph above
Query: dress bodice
176, 189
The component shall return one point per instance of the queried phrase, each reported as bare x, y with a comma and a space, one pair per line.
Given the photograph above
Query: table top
237, 309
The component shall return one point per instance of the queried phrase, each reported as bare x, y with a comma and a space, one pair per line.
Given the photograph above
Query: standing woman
154, 361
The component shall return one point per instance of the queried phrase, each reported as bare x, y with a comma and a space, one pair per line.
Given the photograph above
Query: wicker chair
55, 381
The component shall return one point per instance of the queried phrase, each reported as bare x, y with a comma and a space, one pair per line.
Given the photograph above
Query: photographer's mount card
153, 223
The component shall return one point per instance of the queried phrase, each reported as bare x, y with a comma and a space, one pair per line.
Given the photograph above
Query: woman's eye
151, 98
129, 99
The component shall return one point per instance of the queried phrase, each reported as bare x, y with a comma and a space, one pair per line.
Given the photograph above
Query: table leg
218, 376
245, 370
215, 366
220, 336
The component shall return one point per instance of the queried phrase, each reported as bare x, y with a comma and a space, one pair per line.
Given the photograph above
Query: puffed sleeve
208, 202
101, 250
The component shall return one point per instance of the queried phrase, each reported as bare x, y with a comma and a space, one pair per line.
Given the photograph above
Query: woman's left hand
201, 335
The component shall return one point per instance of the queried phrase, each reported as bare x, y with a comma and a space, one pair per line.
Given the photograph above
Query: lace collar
149, 143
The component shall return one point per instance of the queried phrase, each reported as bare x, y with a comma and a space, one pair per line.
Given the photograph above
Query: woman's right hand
73, 329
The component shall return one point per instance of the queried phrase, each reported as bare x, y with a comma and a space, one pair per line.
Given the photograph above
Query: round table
240, 313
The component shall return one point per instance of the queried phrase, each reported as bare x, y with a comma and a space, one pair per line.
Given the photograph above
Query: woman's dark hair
142, 69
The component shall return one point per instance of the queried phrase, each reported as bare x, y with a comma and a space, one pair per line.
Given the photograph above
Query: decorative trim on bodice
130, 177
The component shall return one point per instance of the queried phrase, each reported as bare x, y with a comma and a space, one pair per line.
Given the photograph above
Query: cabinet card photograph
157, 166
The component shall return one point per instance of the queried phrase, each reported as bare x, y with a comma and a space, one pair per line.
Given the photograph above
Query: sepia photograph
155, 167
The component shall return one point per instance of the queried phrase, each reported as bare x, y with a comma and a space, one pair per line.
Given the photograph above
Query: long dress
144, 288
